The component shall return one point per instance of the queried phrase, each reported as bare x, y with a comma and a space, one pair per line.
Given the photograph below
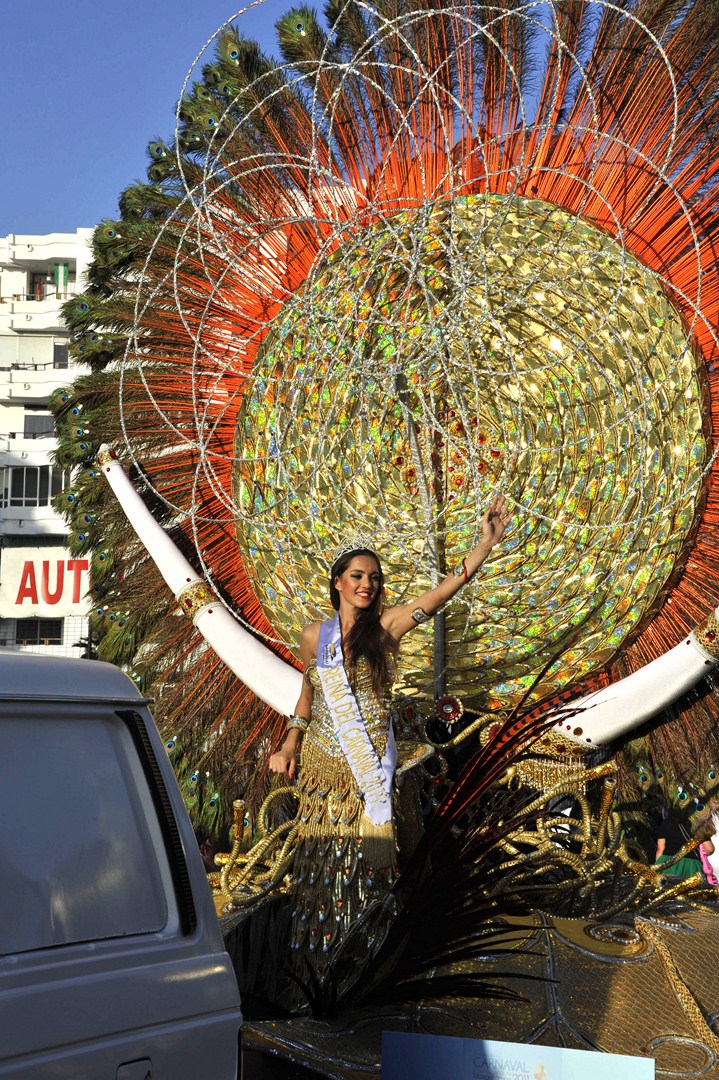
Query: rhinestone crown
353, 542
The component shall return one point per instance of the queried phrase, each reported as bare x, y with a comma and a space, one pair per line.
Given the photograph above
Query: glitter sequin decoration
492, 343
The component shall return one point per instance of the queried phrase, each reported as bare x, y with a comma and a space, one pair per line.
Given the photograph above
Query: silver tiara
353, 542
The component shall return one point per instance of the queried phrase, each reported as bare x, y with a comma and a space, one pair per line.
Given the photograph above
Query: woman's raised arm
398, 620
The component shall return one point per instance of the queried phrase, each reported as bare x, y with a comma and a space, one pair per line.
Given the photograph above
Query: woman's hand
494, 521
284, 761
398, 620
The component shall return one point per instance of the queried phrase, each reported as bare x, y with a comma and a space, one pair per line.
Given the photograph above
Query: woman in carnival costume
346, 843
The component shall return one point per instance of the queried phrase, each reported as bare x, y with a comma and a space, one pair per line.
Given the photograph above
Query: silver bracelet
419, 615
299, 722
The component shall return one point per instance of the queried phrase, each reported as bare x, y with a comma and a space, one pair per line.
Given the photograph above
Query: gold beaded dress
343, 861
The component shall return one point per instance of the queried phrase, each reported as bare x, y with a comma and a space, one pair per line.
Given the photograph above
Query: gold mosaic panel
494, 344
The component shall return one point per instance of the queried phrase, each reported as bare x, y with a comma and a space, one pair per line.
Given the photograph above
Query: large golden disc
435, 358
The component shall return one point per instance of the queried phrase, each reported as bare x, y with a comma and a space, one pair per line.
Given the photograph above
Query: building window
32, 486
38, 424
40, 286
38, 632
59, 356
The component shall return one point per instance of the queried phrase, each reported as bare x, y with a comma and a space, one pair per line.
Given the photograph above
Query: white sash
374, 777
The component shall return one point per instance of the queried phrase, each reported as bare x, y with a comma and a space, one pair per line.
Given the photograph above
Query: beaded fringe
379, 843
343, 860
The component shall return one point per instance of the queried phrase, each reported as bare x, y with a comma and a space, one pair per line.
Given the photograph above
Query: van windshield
78, 835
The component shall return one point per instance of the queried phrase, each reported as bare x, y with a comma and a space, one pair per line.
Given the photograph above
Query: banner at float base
440, 1057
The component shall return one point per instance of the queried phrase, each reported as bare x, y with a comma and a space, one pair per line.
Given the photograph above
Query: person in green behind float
672, 836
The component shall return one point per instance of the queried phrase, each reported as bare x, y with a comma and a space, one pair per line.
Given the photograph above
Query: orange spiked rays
405, 230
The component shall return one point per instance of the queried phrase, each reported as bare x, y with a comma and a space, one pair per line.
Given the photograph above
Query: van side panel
111, 952
205, 1049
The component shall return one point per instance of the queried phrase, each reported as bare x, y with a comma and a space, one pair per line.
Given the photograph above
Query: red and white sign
42, 581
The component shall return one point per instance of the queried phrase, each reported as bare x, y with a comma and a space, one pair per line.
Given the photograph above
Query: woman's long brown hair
367, 638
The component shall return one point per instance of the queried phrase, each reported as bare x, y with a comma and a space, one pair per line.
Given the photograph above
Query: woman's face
359, 582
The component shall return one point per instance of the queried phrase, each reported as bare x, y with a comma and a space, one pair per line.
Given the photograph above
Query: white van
112, 965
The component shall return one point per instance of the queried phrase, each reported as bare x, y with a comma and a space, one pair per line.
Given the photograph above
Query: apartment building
42, 588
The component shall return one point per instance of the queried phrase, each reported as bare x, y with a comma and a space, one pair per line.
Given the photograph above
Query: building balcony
32, 315
24, 445
30, 382
27, 250
45, 292
31, 521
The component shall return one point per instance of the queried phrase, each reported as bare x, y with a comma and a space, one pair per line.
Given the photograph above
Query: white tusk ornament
267, 675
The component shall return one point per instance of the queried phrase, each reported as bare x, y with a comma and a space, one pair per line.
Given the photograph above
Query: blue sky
86, 84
